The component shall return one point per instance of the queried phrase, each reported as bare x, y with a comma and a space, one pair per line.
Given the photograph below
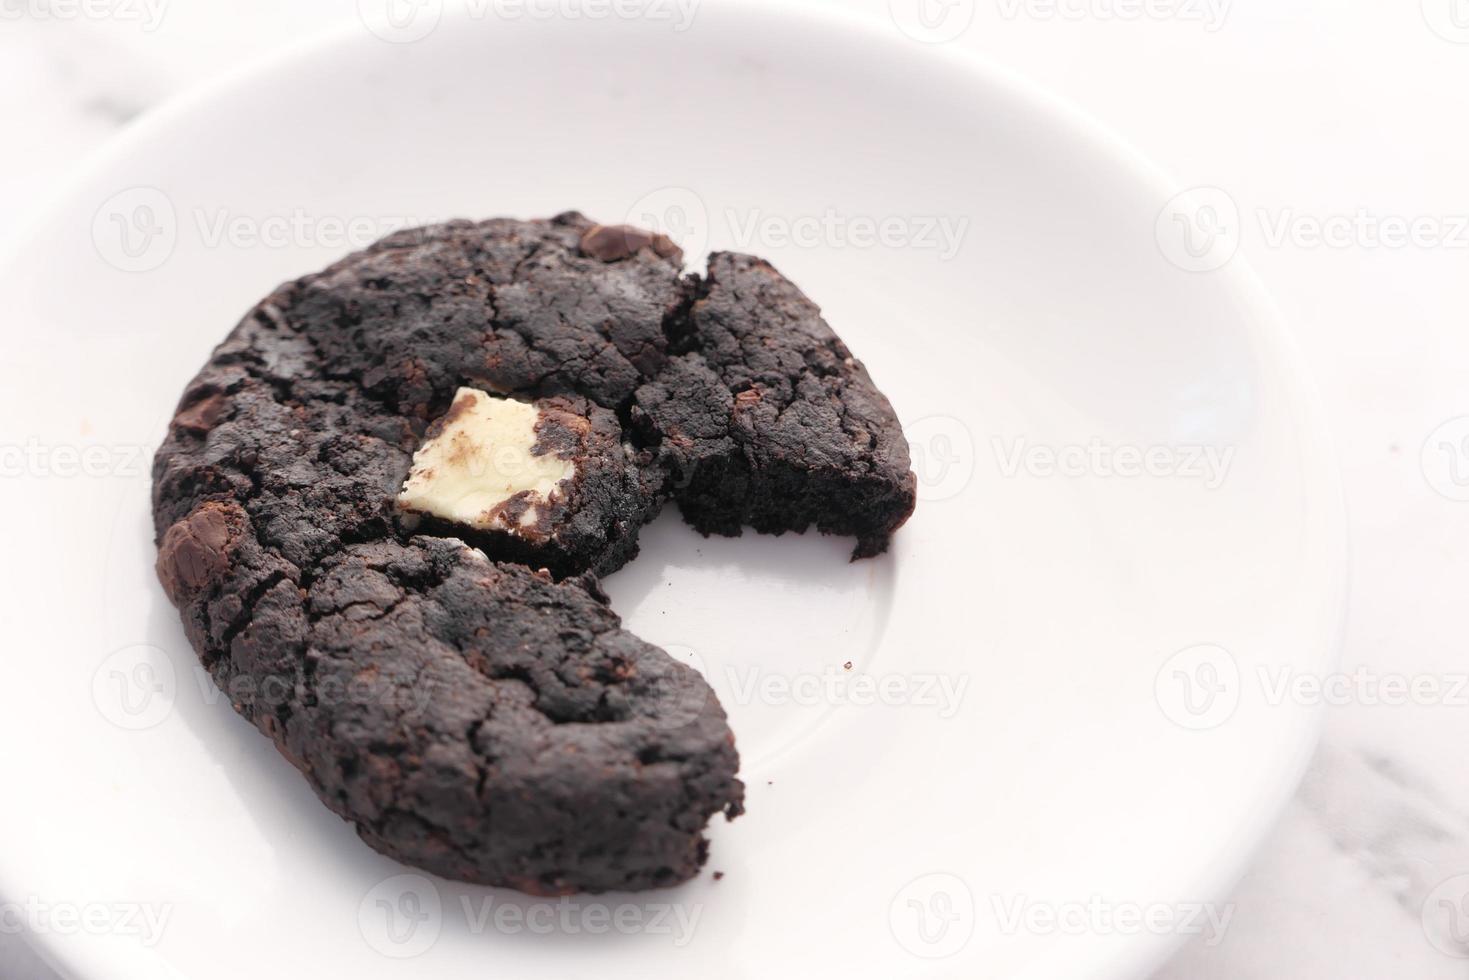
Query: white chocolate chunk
480, 459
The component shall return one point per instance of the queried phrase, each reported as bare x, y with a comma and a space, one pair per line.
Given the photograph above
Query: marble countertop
1339, 131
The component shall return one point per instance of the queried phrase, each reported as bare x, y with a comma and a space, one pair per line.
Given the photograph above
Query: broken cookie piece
547, 483
770, 422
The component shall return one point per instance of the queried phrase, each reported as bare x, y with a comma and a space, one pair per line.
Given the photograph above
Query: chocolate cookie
382, 503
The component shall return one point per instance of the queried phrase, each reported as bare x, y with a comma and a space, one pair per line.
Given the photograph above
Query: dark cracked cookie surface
382, 503
770, 422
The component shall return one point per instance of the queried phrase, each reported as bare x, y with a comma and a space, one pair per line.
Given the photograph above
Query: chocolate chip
201, 416
613, 243
195, 551
747, 398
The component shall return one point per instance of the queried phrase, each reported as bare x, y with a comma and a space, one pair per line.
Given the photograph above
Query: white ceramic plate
1054, 740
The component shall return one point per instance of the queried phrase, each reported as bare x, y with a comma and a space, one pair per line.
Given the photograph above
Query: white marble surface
1302, 110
